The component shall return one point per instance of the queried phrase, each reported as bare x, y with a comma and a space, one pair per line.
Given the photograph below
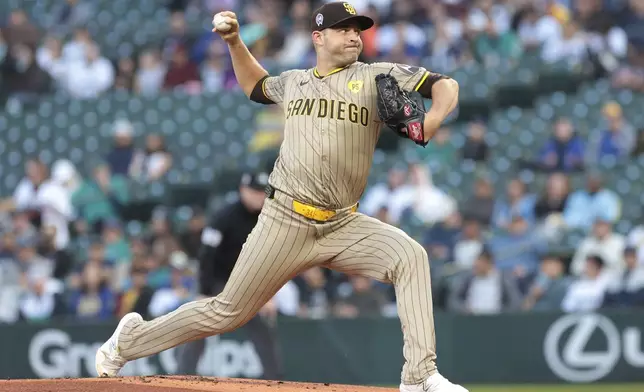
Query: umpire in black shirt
221, 244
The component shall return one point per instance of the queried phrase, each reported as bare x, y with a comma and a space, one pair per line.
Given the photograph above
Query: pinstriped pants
281, 246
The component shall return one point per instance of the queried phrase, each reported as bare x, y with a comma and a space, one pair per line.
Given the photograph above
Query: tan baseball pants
284, 244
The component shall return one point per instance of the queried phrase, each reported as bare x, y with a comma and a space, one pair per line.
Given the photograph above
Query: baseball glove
399, 110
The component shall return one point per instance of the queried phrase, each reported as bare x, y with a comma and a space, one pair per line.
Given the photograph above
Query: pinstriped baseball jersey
331, 129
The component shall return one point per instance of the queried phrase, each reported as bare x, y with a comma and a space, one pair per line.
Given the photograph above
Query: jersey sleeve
272, 88
409, 77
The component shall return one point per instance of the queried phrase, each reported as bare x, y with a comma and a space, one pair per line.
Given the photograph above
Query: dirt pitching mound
173, 384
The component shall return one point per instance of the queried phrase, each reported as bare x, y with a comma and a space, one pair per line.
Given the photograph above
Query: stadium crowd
64, 251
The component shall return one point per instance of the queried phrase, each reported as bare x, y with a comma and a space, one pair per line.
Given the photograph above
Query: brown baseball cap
335, 13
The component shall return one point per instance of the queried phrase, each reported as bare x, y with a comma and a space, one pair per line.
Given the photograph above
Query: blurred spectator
518, 249
75, 50
117, 248
275, 34
537, 27
124, 79
616, 139
486, 12
63, 260
440, 152
517, 202
33, 265
96, 255
25, 80
603, 35
90, 76
628, 289
630, 75
632, 19
160, 229
550, 286
379, 195
569, 45
150, 75
363, 301
20, 31
102, 197
369, 37
181, 70
178, 37
448, 48
484, 290
480, 206
492, 46
475, 147
406, 37
168, 299
587, 292
469, 245
420, 199
639, 144
214, 69
21, 225
585, 206
563, 152
315, 300
191, 237
41, 298
635, 240
441, 238
298, 40
54, 200
552, 203
122, 155
154, 162
287, 300
136, 294
10, 274
604, 243
93, 299
68, 15
24, 195
49, 57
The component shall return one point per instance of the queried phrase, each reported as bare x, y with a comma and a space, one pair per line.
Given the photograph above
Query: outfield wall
512, 348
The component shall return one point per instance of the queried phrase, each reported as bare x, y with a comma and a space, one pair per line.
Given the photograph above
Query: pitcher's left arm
443, 91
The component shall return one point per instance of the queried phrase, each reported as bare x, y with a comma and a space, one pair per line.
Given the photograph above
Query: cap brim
363, 22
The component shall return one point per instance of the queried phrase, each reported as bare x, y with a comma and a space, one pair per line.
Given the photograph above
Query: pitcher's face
341, 43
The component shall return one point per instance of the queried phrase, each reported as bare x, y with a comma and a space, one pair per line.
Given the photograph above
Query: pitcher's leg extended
275, 251
366, 246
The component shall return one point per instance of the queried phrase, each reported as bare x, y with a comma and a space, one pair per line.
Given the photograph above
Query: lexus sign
567, 353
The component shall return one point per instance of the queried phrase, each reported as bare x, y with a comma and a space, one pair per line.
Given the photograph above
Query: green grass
559, 388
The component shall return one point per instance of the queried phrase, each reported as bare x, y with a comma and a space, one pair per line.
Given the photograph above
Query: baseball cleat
108, 360
434, 383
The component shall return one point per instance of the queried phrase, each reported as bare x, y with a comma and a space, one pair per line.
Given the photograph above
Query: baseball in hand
221, 23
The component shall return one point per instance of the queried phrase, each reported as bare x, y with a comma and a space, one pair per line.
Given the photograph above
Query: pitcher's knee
226, 315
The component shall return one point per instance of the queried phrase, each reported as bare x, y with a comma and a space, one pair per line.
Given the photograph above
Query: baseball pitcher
334, 113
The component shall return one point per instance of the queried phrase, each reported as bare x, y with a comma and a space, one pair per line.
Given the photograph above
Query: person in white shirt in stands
379, 195
91, 76
604, 243
24, 196
53, 199
421, 197
588, 292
